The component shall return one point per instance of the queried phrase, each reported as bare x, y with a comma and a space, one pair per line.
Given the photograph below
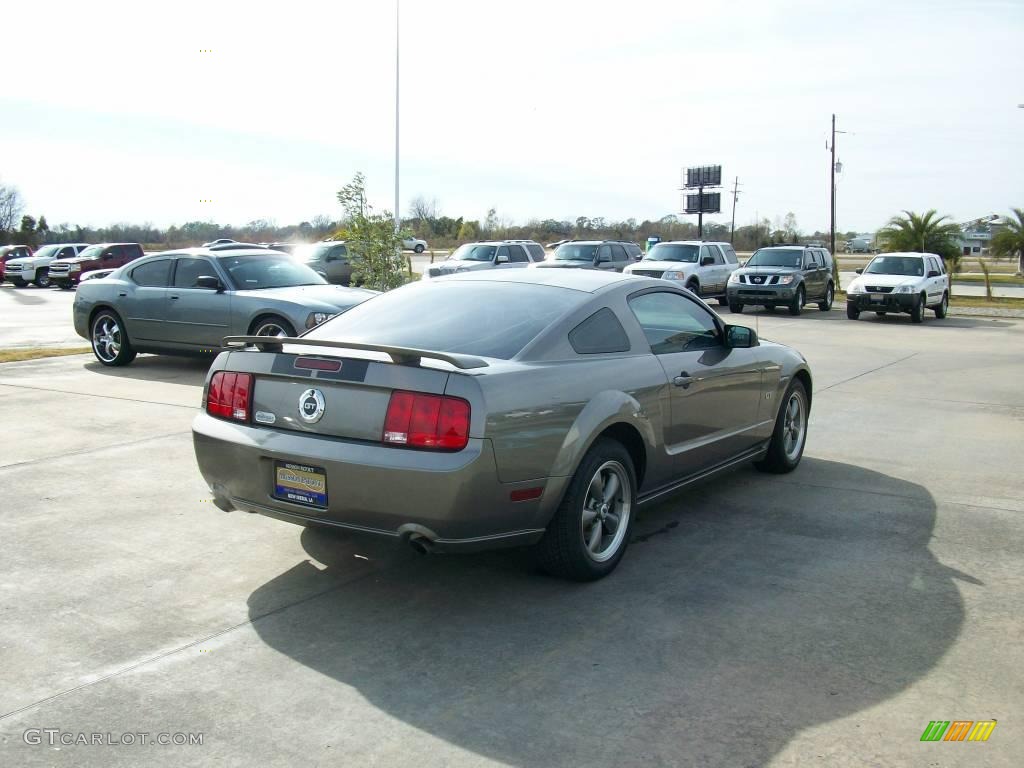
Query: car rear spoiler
399, 355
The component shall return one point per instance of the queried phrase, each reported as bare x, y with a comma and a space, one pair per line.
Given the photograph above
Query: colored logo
312, 405
958, 730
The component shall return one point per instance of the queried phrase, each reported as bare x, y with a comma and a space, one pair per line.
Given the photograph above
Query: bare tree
423, 209
11, 206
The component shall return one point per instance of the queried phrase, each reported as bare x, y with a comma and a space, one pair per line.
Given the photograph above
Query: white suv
900, 282
36, 268
703, 268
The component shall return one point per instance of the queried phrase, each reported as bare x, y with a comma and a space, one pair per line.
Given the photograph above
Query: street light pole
832, 236
398, 225
735, 194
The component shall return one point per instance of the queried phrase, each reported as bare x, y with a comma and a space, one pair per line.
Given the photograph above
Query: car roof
691, 242
586, 280
215, 254
917, 254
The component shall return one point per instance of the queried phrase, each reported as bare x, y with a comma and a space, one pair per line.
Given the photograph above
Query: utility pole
735, 194
832, 237
398, 218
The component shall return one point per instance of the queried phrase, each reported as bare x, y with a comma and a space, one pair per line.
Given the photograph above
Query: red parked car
68, 272
8, 252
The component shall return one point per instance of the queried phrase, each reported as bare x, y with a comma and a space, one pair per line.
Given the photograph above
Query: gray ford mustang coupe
188, 301
499, 408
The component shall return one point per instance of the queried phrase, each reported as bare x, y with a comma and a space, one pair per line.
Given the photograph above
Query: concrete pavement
822, 617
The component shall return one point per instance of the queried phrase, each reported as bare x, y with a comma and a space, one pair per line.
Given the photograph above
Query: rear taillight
418, 420
229, 395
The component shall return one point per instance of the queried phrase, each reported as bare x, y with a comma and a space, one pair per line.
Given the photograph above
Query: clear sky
111, 112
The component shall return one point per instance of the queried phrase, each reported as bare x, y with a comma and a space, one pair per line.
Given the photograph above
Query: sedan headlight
786, 279
674, 274
316, 318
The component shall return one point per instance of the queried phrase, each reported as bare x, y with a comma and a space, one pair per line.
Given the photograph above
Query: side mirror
501, 258
859, 270
933, 273
209, 282
740, 337
707, 261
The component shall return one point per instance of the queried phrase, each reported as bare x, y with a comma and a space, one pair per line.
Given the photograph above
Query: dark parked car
66, 273
499, 408
329, 260
783, 276
590, 254
188, 301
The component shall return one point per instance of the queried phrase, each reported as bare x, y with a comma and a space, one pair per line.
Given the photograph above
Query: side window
604, 253
704, 253
502, 251
66, 253
152, 274
601, 333
673, 323
619, 253
536, 251
516, 253
716, 254
108, 253
188, 271
342, 252
730, 255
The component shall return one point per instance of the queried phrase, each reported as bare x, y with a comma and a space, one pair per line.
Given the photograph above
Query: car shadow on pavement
162, 368
746, 611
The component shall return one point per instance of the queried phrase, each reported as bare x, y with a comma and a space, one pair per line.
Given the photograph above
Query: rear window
473, 318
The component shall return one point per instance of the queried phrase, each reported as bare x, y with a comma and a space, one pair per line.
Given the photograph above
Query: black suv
783, 276
590, 254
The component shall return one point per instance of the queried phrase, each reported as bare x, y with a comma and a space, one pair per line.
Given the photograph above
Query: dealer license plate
300, 484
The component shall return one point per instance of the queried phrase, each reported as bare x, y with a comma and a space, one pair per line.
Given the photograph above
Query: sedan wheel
589, 532
787, 444
273, 326
109, 341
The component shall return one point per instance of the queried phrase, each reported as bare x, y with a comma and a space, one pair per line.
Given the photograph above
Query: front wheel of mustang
787, 444
590, 530
110, 341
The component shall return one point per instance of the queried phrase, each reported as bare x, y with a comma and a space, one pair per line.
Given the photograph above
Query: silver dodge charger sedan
188, 301
499, 408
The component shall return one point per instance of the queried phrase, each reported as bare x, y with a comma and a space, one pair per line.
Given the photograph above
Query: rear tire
797, 305
19, 283
942, 309
736, 309
109, 339
590, 530
790, 435
917, 311
826, 304
852, 313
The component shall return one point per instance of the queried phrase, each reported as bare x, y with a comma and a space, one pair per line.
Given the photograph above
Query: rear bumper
884, 302
453, 500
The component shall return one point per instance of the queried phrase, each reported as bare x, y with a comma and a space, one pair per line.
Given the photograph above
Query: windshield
911, 266
92, 252
477, 318
270, 271
667, 252
48, 250
776, 257
576, 252
473, 252
312, 252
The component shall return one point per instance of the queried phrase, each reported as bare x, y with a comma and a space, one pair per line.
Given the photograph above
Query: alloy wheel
106, 339
606, 511
794, 426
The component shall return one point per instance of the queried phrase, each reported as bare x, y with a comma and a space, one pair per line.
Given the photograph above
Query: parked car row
63, 264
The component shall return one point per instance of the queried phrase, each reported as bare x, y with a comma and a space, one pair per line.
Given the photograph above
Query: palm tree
1010, 241
927, 233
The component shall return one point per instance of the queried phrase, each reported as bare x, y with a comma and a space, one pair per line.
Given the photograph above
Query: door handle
122, 293
683, 380
174, 297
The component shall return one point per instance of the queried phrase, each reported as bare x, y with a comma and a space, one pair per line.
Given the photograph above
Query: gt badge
311, 406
